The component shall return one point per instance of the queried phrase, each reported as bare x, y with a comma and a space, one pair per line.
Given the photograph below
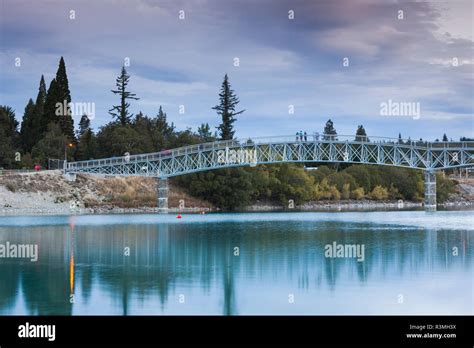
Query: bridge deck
265, 150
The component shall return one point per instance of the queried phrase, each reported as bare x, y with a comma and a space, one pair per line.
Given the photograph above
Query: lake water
251, 263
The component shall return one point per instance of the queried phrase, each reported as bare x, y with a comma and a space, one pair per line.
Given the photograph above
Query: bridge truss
426, 156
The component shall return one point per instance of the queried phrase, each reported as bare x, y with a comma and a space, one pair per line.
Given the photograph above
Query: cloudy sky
403, 51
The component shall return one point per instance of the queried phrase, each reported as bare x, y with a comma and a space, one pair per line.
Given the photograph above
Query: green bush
238, 187
346, 191
444, 187
358, 194
379, 193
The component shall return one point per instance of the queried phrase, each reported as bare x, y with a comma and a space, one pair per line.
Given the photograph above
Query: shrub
322, 190
444, 187
346, 192
335, 194
358, 193
361, 175
125, 197
340, 179
379, 193
10, 187
393, 193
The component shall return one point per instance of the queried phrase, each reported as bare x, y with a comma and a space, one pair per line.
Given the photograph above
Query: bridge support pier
162, 195
430, 191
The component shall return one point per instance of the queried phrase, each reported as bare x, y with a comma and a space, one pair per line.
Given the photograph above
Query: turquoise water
250, 263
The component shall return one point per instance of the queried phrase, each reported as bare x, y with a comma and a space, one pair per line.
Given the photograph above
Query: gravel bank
49, 193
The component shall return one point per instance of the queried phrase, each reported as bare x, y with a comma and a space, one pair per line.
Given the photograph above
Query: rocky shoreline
96, 211
339, 205
48, 193
353, 205
329, 206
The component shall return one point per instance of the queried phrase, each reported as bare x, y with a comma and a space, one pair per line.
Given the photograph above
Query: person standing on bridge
305, 136
297, 136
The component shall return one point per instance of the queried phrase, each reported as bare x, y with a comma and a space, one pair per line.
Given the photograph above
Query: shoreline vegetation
47, 135
48, 192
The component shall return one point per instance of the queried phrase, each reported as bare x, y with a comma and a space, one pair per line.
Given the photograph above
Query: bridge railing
222, 144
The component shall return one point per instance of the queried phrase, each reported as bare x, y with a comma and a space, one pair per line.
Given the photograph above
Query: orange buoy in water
179, 216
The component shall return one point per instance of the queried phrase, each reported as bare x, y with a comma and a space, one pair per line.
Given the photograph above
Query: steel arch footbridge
422, 155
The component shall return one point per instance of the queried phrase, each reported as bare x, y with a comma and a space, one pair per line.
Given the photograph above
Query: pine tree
400, 141
84, 125
87, 146
7, 152
8, 136
445, 137
329, 131
121, 112
361, 135
226, 109
27, 128
204, 131
162, 131
8, 121
51, 145
162, 125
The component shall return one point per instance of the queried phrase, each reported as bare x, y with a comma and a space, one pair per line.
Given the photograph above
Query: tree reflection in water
167, 258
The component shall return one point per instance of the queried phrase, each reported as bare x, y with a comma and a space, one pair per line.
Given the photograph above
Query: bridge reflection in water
197, 262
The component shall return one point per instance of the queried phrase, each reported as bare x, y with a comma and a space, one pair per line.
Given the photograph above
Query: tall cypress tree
226, 109
57, 107
65, 119
49, 115
41, 97
27, 127
33, 122
38, 117
121, 112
